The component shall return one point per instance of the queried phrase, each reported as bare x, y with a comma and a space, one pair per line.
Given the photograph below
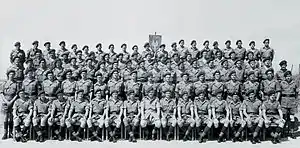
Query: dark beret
238, 60
266, 59
15, 58
38, 51
65, 53
41, 60
283, 62
201, 73
185, 73
252, 42
167, 74
287, 73
98, 74
224, 60
250, 91
57, 60
249, 53
114, 91
266, 40
185, 93
85, 46
150, 89
47, 43
232, 72
217, 71
62, 42
272, 92
135, 46
251, 61
146, 44
193, 41
141, 61
80, 90
74, 45
41, 92
123, 45
114, 71
269, 70
162, 45
29, 70
231, 52
10, 71
89, 58
72, 58
28, 60
21, 90
132, 72
111, 45
206, 41
48, 72
97, 90
17, 44
67, 71
215, 43
51, 50
228, 41
173, 44
78, 51
35, 42
194, 60
82, 70
99, 44
180, 41
238, 41
209, 60
251, 73
130, 92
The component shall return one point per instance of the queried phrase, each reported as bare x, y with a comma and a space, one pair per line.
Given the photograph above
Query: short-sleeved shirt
235, 107
98, 105
86, 85
150, 104
102, 87
79, 106
115, 106
256, 53
267, 86
240, 53
271, 107
50, 87
249, 86
114, 85
163, 87
202, 106
226, 52
280, 75
135, 86
41, 107
23, 106
252, 107
68, 86
267, 53
220, 106
240, 74
157, 74
200, 87
9, 89
60, 106
167, 106
225, 74
233, 87
216, 87
30, 86
182, 87
132, 107
209, 73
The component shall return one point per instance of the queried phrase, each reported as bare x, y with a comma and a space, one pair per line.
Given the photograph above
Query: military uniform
215, 88
163, 87
168, 105
9, 89
271, 109
183, 87
31, 87
288, 97
79, 109
69, 88
201, 109
149, 107
86, 86
50, 88
266, 86
267, 52
236, 119
232, 87
114, 109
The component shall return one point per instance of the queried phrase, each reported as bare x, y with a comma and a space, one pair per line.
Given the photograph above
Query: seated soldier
96, 118
168, 112
41, 113
132, 112
185, 114
252, 111
59, 111
150, 113
237, 122
272, 114
113, 115
220, 113
78, 113
22, 112
202, 110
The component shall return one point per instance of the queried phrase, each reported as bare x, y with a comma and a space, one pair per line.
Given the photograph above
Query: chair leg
175, 133
122, 131
49, 133
31, 133
103, 131
140, 132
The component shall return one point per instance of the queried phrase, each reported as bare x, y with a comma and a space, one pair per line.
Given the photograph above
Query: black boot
170, 131
11, 128
5, 136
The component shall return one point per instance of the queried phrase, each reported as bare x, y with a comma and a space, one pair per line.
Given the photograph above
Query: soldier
58, 115
179, 69
113, 115
174, 50
32, 51
267, 64
252, 68
218, 58
216, 48
74, 67
168, 112
215, 87
252, 111
161, 52
126, 55
37, 57
50, 86
237, 121
132, 112
250, 57
183, 86
194, 50
250, 84
30, 66
232, 59
240, 50
150, 113
100, 85
170, 70
86, 52
182, 49
232, 87
112, 54
137, 56
220, 114
90, 68
166, 85
269, 84
41, 113
149, 60
193, 71
85, 84
280, 74
156, 73
19, 70
147, 50
30, 85
62, 49
79, 59
175, 60
202, 113
68, 86
134, 85
227, 50
22, 112
9, 90
103, 70
97, 112
115, 83
288, 90
45, 52
17, 52
58, 68
142, 72
51, 59
209, 71
78, 113
40, 73
240, 71
207, 49
272, 113
225, 71
200, 86
188, 61
150, 83
267, 51
256, 52
74, 48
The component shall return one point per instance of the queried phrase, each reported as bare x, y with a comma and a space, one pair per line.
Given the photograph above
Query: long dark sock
206, 129
5, 126
188, 130
255, 134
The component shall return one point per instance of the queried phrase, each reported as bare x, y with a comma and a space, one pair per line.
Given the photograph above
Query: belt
288, 95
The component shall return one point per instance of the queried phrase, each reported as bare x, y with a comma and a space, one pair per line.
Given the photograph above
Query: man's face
206, 44
194, 44
252, 46
168, 95
273, 97
181, 66
22, 94
68, 75
43, 97
80, 95
250, 56
133, 76
185, 78
174, 46
62, 45
168, 78
35, 46
195, 64
216, 45
83, 74
283, 66
48, 46
58, 64
252, 77
73, 61
232, 56
181, 43
99, 78
79, 55
252, 64
239, 44
211, 64
89, 62
30, 74
233, 76
98, 94
150, 78
115, 75
288, 78
268, 63
112, 48
11, 75
235, 98
185, 96
217, 76
86, 49
151, 93
201, 96
201, 78
270, 75
267, 43
18, 47
42, 64
37, 55
142, 64
238, 64
218, 54
99, 47
115, 95
225, 64
219, 96
124, 47
228, 44
252, 96
50, 76
188, 57
75, 48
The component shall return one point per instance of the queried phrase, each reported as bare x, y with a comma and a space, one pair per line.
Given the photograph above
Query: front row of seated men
150, 113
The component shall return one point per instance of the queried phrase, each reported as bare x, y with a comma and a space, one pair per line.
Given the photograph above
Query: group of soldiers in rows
184, 87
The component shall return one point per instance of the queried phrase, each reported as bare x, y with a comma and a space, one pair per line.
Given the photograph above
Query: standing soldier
218, 58
62, 49
22, 112
272, 113
41, 113
51, 59
194, 50
183, 86
267, 51
227, 50
168, 112
125, 72
215, 87
115, 83
150, 113
147, 50
268, 85
100, 85
126, 55
256, 52
161, 52
85, 52
288, 91
32, 51
79, 59
173, 50
252, 111
202, 113
250, 84
112, 53
9, 90
232, 87
132, 112
193, 71
74, 68
78, 113
19, 71
156, 73
29, 66
150, 83
136, 56
142, 72
182, 49
37, 57
99, 52
96, 119
17, 52
69, 86
207, 49
209, 71
40, 73
134, 85
166, 85
30, 85
73, 51
225, 71
240, 50
236, 117
179, 69
216, 49
90, 68
267, 64
45, 52
57, 68
58, 115
85, 84
220, 114
50, 86
280, 74
240, 71
113, 115
252, 68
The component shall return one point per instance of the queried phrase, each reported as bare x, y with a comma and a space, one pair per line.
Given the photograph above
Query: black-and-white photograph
144, 73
